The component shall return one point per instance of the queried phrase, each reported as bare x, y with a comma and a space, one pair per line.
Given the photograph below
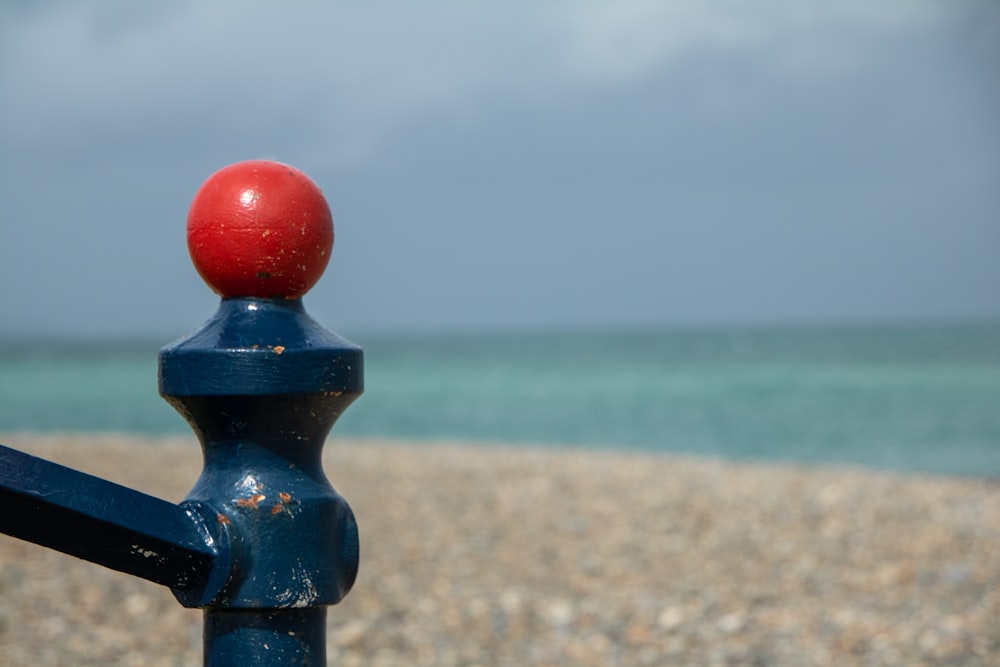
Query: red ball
260, 229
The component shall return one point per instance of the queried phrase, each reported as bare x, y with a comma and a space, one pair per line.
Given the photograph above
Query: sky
504, 166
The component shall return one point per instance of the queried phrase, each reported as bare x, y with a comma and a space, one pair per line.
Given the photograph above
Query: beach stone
670, 618
731, 622
351, 634
558, 612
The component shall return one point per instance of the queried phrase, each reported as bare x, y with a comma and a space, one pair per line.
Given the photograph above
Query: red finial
260, 229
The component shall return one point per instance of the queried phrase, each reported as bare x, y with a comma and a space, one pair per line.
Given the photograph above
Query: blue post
263, 543
262, 418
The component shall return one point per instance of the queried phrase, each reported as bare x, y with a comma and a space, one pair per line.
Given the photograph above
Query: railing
263, 543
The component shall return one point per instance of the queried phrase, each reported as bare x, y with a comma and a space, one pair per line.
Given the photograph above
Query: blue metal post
263, 543
262, 418
261, 384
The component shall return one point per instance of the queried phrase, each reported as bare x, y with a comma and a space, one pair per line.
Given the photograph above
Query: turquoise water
925, 399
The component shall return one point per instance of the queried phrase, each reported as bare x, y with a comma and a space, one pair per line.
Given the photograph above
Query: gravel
490, 555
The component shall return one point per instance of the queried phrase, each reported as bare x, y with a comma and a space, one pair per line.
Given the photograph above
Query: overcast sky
511, 165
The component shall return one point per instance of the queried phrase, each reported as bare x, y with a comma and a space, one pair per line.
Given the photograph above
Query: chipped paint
311, 592
284, 500
307, 592
145, 553
253, 502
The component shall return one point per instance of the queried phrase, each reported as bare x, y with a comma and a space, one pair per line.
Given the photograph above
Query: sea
907, 398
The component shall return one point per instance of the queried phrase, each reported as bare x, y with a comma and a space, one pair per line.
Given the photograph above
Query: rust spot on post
252, 502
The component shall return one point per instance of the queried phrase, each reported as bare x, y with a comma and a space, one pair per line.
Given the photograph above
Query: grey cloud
635, 162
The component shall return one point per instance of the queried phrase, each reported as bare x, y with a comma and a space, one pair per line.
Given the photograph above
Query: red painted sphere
260, 229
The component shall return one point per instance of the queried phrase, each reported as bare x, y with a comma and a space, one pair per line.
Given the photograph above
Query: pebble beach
493, 555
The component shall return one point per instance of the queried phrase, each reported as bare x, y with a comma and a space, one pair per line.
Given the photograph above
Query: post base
265, 637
